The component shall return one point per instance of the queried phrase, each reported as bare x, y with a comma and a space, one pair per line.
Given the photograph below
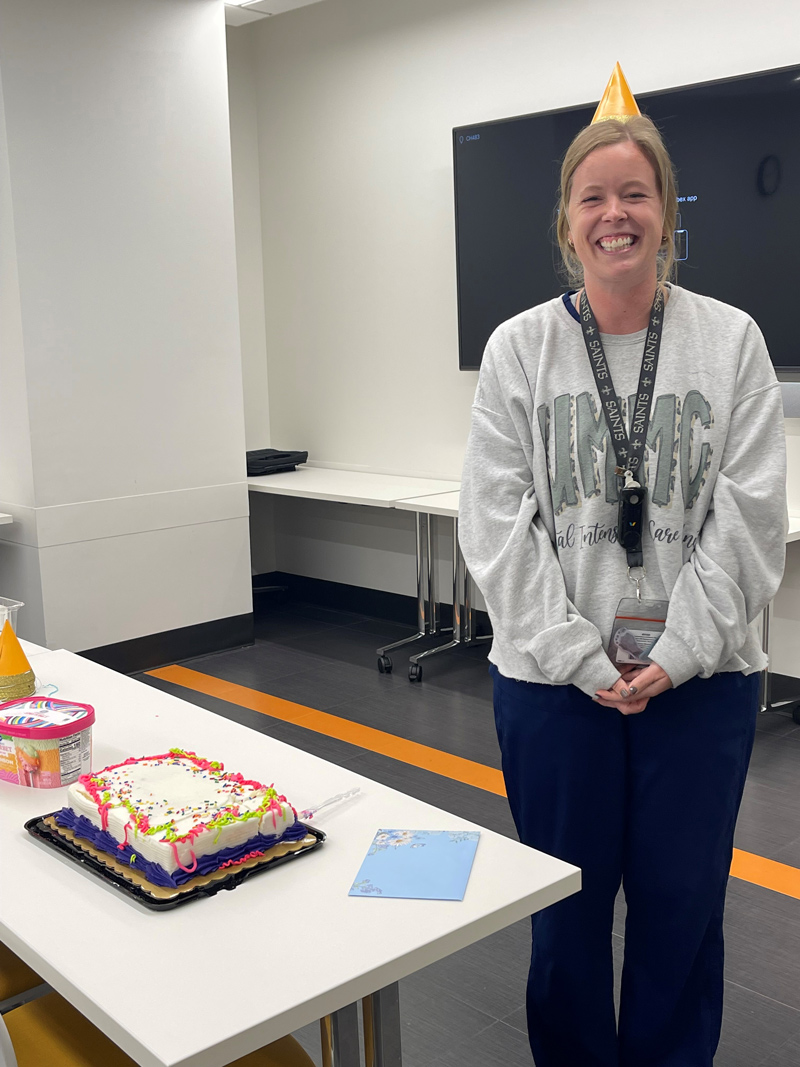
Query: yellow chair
18, 982
50, 1031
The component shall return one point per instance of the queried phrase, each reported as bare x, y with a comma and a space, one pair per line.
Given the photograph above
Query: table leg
382, 1024
369, 1032
23, 998
459, 587
766, 685
427, 606
766, 703
414, 669
463, 614
433, 602
423, 571
341, 1044
468, 623
326, 1040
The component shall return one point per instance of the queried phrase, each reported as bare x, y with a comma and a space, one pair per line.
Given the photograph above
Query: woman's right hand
619, 696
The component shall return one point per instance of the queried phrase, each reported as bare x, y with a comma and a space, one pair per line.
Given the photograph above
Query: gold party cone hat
16, 677
617, 102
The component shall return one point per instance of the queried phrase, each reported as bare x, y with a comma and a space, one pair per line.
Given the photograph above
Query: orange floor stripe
769, 874
430, 759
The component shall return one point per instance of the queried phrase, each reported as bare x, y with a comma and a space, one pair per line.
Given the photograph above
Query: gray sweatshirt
538, 508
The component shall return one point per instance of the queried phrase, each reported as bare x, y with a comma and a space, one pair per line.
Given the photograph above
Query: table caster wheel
384, 665
415, 673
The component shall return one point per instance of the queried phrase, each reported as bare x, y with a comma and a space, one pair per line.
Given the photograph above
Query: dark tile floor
466, 1010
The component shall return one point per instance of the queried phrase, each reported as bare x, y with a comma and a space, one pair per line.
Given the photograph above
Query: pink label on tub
45, 764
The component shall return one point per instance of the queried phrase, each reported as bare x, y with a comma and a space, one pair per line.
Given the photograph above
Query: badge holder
638, 624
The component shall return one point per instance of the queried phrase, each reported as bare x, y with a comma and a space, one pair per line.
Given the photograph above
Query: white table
383, 491
211, 981
438, 504
348, 487
30, 649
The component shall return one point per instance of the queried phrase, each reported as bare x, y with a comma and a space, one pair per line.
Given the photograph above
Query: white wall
356, 103
16, 471
127, 478
247, 211
356, 100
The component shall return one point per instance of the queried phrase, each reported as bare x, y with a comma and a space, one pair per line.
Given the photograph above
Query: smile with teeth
616, 243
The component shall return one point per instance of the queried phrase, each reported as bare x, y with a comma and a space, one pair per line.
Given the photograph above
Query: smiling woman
618, 202
628, 432
637, 133
615, 211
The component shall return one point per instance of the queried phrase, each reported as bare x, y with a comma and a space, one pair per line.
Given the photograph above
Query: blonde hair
642, 132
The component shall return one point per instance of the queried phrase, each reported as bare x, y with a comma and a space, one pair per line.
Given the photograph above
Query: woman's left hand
647, 683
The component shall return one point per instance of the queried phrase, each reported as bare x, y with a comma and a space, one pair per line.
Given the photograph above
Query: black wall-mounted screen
736, 146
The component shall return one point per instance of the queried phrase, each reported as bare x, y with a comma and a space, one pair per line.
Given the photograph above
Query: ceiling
251, 10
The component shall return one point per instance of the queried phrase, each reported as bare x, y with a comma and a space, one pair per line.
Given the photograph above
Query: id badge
637, 627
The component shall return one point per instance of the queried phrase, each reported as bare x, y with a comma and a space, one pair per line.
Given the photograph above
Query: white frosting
178, 793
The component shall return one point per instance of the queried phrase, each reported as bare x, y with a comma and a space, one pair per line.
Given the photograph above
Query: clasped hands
634, 689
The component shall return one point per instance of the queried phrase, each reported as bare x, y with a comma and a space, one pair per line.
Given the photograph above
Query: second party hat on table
16, 677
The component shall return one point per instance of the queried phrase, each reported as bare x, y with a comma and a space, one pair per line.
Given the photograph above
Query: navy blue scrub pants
648, 801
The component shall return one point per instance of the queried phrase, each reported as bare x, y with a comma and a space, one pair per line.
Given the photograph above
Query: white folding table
31, 649
210, 981
382, 491
348, 486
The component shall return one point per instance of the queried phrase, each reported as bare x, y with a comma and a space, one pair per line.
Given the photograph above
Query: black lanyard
629, 450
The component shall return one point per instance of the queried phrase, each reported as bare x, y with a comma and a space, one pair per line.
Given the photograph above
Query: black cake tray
50, 839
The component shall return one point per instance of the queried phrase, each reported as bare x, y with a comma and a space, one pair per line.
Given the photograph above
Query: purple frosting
154, 872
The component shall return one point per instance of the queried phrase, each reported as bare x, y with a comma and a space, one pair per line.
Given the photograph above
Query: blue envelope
417, 864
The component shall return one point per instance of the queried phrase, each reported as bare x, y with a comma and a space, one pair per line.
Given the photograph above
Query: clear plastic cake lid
44, 718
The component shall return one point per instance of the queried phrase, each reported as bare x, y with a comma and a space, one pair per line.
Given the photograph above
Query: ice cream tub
45, 743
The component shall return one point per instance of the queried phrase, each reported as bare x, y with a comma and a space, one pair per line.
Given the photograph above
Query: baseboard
278, 586
171, 646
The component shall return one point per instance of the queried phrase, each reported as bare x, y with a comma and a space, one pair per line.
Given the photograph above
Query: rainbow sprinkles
176, 815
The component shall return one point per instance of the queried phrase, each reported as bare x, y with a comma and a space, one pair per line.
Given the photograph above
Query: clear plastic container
8, 610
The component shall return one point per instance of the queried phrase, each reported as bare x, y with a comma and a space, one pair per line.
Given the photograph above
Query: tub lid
44, 717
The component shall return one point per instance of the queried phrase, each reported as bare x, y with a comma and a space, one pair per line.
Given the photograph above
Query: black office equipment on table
272, 461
